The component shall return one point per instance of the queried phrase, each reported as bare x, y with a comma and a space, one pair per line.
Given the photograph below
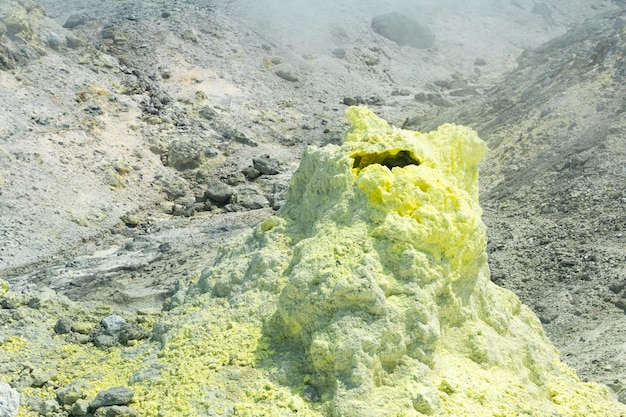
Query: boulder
403, 30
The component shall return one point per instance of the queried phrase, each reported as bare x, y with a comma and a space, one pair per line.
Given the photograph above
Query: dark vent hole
401, 159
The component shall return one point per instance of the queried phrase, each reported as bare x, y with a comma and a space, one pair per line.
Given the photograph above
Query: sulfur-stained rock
73, 392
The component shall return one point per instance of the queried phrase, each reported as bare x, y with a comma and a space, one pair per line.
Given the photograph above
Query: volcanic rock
403, 30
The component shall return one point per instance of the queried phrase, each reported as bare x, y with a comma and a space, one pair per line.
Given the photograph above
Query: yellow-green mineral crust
373, 286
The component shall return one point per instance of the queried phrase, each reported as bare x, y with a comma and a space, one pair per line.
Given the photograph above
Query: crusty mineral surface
376, 292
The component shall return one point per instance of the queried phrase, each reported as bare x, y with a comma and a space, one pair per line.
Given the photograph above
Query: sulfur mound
373, 286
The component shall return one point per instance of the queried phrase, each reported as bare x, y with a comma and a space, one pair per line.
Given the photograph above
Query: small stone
339, 53
186, 154
63, 326
75, 40
189, 35
72, 392
219, 192
82, 327
286, 75
545, 313
116, 411
9, 400
210, 152
80, 408
400, 92
351, 101
49, 408
251, 173
7, 303
132, 331
167, 207
76, 20
41, 377
621, 304
617, 286
113, 324
104, 340
310, 394
250, 197
266, 165
112, 396
131, 220
54, 41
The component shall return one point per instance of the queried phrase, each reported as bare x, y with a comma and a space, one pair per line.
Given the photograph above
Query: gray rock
266, 165
49, 408
219, 192
403, 30
63, 326
116, 411
186, 154
75, 40
400, 92
112, 396
42, 376
9, 401
251, 173
286, 75
352, 101
545, 313
80, 408
54, 41
132, 331
76, 20
72, 392
103, 340
113, 324
277, 198
250, 197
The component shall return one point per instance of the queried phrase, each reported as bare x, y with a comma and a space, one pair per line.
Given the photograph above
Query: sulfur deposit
366, 295
373, 286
